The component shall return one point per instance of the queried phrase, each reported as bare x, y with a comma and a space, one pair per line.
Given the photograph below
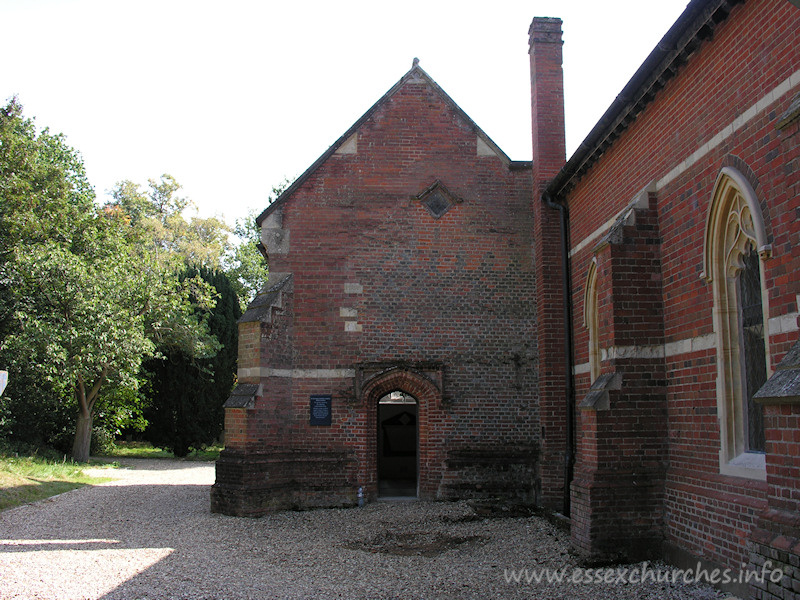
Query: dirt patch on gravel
421, 543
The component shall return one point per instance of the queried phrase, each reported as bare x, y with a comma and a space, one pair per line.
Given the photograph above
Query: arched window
735, 250
591, 320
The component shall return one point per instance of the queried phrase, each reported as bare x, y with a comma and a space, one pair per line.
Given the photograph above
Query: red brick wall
618, 489
783, 439
774, 543
751, 53
455, 292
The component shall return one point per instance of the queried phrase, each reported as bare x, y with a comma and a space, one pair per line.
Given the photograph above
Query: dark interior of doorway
397, 445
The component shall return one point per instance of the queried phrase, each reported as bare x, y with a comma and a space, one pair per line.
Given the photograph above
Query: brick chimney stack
547, 99
549, 155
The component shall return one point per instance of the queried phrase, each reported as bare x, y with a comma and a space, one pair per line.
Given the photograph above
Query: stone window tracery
735, 250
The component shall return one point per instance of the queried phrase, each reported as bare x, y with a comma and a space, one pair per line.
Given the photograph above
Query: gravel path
149, 535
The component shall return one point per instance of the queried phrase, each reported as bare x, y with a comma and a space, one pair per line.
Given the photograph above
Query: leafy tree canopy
159, 214
82, 299
248, 268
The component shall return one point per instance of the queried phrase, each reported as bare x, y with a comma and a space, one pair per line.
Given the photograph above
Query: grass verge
145, 450
26, 479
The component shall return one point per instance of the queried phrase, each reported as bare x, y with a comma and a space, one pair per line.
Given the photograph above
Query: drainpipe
569, 383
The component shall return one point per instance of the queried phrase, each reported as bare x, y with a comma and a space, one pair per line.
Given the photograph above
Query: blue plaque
320, 410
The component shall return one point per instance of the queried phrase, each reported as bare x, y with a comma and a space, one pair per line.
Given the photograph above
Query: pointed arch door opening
397, 445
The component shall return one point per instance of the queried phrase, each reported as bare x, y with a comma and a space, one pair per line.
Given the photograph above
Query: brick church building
612, 336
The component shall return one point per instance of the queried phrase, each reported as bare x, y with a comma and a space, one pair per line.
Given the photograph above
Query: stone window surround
734, 224
591, 320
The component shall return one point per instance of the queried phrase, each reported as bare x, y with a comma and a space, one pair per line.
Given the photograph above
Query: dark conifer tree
188, 394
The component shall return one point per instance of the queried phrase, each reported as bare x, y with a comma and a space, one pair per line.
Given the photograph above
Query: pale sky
231, 97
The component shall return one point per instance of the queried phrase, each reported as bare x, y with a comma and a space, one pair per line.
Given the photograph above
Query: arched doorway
397, 445
424, 387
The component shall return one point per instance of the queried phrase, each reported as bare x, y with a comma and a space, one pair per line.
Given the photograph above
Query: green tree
44, 192
84, 300
90, 314
185, 394
248, 269
188, 394
160, 214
